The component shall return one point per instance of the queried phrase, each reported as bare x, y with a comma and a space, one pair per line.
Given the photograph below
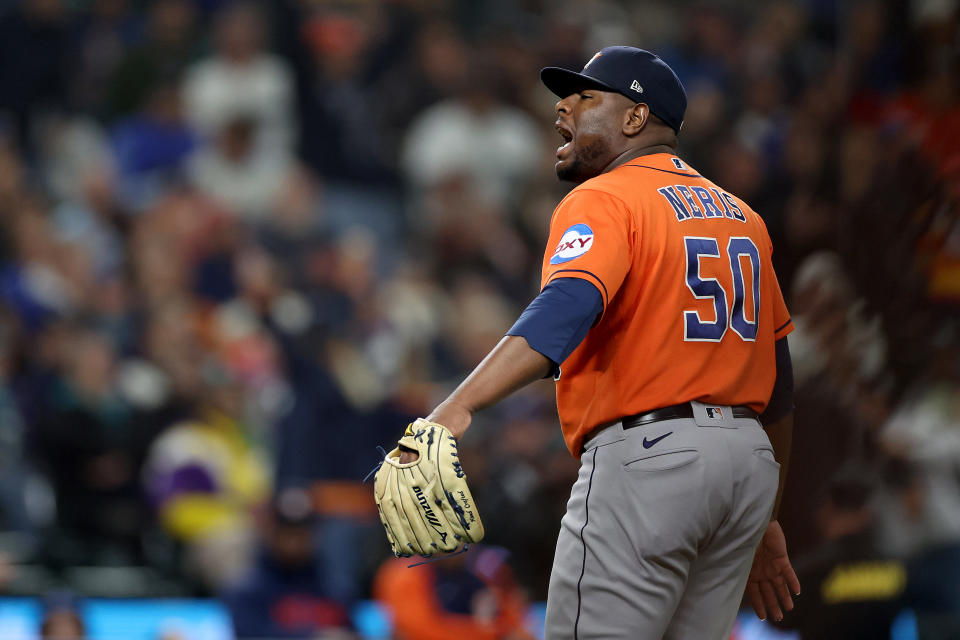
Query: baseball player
661, 319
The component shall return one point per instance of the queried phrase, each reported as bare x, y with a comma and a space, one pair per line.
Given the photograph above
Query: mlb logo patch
715, 413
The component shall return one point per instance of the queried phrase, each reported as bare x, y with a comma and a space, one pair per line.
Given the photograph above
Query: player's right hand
772, 578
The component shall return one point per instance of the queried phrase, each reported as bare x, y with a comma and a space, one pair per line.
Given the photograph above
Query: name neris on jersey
700, 202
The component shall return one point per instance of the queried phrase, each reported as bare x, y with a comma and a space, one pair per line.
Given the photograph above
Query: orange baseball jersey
692, 307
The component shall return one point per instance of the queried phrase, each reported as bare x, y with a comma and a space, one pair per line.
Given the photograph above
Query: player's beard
588, 161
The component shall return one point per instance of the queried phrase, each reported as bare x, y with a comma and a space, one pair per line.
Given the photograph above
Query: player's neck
631, 154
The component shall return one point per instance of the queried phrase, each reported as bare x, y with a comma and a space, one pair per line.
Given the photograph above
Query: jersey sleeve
782, 324
558, 319
590, 239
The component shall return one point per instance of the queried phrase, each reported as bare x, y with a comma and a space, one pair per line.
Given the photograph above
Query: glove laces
429, 559
383, 454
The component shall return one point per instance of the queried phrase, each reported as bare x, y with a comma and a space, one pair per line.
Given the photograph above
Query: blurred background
243, 243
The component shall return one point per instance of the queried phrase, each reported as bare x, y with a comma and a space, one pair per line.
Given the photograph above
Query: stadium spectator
474, 134
285, 595
853, 589
168, 42
100, 40
242, 80
435, 68
91, 444
230, 171
343, 135
62, 617
35, 34
206, 479
151, 147
13, 468
470, 596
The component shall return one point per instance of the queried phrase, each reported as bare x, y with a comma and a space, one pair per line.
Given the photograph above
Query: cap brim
563, 82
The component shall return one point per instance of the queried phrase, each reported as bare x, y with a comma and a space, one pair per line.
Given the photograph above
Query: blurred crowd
242, 243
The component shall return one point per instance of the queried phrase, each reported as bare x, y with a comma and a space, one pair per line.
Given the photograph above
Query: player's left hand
454, 417
772, 578
425, 505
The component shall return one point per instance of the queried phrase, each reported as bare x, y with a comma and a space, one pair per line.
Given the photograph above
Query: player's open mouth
567, 138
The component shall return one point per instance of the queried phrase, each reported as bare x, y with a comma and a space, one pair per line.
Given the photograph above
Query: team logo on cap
575, 242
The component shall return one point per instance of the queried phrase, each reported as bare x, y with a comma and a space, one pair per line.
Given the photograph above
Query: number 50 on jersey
741, 315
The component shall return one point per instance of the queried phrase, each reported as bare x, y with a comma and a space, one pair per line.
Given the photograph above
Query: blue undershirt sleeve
558, 319
781, 398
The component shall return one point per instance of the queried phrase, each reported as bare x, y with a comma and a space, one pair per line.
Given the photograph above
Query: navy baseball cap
635, 73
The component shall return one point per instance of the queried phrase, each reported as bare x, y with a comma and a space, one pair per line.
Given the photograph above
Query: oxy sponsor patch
576, 241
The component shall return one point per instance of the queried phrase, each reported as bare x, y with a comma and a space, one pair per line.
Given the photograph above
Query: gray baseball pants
660, 530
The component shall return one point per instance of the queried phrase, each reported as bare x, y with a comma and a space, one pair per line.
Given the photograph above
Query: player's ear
636, 119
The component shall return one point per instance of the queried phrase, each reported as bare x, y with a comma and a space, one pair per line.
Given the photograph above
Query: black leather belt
674, 412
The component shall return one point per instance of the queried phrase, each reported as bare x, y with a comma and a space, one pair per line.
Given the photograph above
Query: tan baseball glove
426, 506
